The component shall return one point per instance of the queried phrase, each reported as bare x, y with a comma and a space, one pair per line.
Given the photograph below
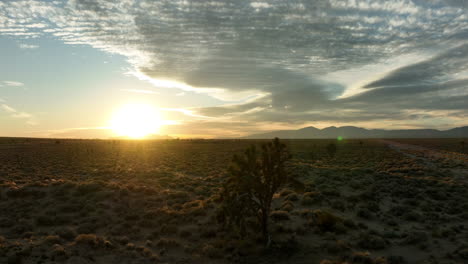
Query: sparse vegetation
157, 201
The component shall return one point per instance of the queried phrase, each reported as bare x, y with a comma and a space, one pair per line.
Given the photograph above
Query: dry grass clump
285, 192
168, 229
52, 239
167, 243
211, 251
293, 197
309, 198
86, 239
371, 241
287, 206
415, 237
58, 252
365, 258
280, 215
325, 220
185, 233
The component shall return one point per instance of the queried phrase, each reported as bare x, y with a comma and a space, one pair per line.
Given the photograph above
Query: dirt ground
116, 201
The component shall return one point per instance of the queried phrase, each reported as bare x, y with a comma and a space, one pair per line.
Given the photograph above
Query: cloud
287, 62
28, 46
12, 112
139, 91
13, 83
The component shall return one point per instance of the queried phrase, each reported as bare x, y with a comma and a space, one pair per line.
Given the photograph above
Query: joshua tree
331, 150
253, 178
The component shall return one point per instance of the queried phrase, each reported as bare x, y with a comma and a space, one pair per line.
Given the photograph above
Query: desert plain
156, 201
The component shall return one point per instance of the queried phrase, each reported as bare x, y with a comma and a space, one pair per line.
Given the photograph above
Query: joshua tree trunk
264, 221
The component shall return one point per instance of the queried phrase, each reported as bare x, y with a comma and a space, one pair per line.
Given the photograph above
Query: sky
232, 68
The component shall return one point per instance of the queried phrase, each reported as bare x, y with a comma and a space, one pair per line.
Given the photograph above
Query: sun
136, 121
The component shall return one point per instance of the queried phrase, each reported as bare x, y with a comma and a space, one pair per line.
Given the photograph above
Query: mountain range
358, 132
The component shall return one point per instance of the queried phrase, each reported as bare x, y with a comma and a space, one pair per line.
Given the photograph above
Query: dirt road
454, 162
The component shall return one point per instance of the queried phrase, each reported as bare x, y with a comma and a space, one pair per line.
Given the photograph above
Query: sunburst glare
136, 120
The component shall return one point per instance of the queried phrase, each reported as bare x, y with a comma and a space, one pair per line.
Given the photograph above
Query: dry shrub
193, 204
306, 213
185, 233
123, 240
169, 229
285, 192
86, 239
52, 239
287, 206
167, 243
212, 252
58, 251
130, 246
279, 215
45, 220
88, 188
369, 241
325, 221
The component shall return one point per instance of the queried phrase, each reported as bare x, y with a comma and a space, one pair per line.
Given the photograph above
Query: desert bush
169, 229
285, 192
253, 179
279, 215
130, 246
185, 233
212, 252
45, 220
58, 251
370, 241
292, 197
86, 239
364, 213
287, 206
325, 221
66, 233
415, 237
167, 243
52, 239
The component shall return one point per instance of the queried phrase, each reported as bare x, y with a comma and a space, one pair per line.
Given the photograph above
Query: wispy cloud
186, 112
13, 83
139, 91
12, 112
28, 46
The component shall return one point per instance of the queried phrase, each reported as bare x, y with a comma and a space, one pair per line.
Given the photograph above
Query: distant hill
358, 132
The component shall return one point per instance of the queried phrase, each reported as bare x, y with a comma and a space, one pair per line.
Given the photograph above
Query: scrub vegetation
161, 201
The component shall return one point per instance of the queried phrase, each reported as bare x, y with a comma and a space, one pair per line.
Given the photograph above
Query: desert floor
115, 201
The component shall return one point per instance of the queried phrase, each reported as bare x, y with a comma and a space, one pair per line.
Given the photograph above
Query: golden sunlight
136, 121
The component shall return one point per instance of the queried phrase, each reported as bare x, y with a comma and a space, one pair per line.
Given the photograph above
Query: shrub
292, 197
86, 239
279, 215
287, 206
52, 239
369, 241
58, 252
212, 252
325, 221
167, 243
